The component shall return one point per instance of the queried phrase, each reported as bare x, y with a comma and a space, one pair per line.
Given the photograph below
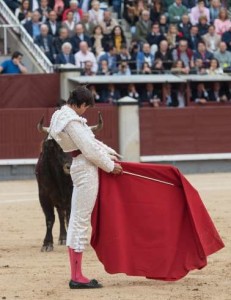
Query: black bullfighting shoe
93, 284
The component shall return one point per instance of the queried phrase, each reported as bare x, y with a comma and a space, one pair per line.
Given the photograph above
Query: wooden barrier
19, 137
190, 130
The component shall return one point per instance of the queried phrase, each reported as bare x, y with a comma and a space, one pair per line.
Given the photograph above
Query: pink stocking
76, 266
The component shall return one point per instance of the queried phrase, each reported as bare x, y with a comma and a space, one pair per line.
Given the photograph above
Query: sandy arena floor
26, 273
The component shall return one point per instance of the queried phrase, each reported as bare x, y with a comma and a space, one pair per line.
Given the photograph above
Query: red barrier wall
185, 131
29, 90
19, 137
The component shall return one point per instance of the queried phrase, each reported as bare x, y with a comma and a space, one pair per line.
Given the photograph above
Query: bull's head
65, 158
94, 128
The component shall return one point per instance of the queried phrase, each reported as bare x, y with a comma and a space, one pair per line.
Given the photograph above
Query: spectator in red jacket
78, 13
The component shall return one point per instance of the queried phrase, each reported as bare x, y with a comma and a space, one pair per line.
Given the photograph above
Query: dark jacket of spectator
29, 28
184, 29
155, 39
75, 41
193, 42
196, 95
167, 58
226, 37
49, 49
110, 97
62, 59
58, 42
57, 28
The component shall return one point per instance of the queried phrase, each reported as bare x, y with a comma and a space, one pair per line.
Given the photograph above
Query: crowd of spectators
167, 36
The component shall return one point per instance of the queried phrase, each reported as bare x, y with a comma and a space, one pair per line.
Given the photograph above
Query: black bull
55, 185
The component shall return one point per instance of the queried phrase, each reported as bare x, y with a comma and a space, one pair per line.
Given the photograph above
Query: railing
13, 22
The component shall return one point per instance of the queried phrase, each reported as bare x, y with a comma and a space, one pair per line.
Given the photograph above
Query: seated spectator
103, 68
222, 23
132, 92
123, 69
84, 55
132, 13
171, 95
117, 38
44, 10
116, 4
78, 13
95, 13
146, 69
98, 41
194, 38
165, 54
163, 24
183, 53
88, 26
69, 24
108, 23
66, 56
23, 13
96, 96
199, 94
12, 4
156, 10
223, 56
133, 50
226, 37
143, 26
111, 58
61, 39
87, 69
198, 68
13, 65
144, 56
59, 9
179, 68
203, 54
155, 37
211, 39
172, 36
151, 96
199, 10
33, 26
214, 67
176, 11
217, 94
79, 37
185, 26
123, 55
110, 95
203, 25
52, 24
158, 67
45, 42
214, 10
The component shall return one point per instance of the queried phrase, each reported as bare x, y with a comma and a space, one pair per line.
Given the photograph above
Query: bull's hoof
62, 242
47, 248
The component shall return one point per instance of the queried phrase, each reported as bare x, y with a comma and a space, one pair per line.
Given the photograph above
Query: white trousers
85, 188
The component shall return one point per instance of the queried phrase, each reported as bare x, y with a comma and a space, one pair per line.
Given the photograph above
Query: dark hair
16, 54
81, 95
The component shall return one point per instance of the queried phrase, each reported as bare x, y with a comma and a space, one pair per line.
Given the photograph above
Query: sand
26, 273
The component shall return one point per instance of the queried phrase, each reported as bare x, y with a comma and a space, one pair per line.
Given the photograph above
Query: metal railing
14, 24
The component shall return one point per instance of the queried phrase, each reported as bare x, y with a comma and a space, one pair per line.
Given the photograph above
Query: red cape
146, 228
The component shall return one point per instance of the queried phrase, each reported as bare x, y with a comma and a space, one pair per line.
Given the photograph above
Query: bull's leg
63, 232
48, 210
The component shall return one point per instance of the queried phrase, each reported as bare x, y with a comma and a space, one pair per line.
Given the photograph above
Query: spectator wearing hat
77, 12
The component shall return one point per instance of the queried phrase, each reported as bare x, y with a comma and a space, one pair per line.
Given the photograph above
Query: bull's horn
40, 126
99, 126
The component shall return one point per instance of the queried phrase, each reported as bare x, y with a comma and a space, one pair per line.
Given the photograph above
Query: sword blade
149, 178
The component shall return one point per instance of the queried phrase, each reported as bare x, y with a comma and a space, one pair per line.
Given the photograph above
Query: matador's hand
117, 169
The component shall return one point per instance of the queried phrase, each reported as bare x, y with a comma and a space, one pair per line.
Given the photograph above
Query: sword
149, 178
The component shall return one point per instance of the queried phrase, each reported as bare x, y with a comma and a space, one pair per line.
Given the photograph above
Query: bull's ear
99, 126
40, 126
